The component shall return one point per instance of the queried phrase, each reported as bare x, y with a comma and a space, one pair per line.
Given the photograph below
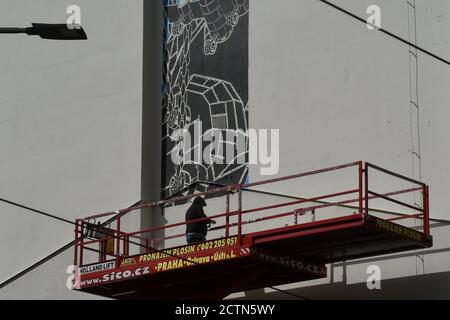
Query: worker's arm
203, 215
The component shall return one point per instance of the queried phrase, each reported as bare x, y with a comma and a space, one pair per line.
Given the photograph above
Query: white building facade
80, 126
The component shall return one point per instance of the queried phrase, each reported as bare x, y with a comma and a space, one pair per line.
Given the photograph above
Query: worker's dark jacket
195, 212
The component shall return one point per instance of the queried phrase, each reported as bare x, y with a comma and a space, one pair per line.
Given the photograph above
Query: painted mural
205, 86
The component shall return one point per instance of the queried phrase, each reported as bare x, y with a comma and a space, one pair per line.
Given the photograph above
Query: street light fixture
50, 31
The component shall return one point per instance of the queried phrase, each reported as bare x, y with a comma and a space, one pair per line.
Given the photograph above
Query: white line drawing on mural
188, 98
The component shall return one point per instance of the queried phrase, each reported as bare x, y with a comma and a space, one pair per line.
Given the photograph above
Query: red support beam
118, 241
75, 256
240, 215
360, 186
366, 188
227, 218
81, 242
426, 210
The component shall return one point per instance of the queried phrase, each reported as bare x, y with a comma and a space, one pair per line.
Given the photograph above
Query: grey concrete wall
70, 131
339, 93
152, 113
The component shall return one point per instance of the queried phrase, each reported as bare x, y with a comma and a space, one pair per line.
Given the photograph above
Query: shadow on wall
432, 286
428, 286
152, 114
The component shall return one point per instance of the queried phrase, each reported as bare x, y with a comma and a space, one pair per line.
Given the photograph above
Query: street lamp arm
13, 30
50, 31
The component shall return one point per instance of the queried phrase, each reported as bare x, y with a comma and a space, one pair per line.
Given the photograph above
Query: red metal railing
422, 187
359, 203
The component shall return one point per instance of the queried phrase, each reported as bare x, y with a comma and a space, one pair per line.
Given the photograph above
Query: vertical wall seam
416, 152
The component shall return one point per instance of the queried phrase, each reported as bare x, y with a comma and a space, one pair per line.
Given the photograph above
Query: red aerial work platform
268, 256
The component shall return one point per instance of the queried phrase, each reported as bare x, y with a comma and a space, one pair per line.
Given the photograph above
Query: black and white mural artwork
205, 91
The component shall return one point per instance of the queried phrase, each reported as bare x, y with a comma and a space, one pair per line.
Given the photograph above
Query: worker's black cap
200, 201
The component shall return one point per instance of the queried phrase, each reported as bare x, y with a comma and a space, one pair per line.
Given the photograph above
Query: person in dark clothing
196, 231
